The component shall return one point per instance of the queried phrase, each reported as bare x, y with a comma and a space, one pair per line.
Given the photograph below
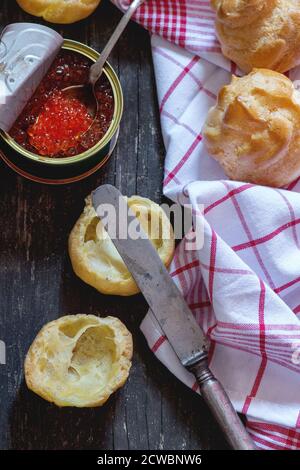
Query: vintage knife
172, 313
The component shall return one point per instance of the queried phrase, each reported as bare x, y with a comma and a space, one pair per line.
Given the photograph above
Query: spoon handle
97, 67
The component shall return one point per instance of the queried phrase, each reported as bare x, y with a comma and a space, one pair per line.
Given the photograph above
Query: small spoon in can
86, 93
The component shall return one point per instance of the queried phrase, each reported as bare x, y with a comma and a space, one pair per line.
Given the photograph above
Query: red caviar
61, 123
50, 126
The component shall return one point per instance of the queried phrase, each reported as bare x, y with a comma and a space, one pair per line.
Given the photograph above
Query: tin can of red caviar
65, 170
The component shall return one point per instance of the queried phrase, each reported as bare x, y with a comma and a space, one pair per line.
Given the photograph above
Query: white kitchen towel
243, 286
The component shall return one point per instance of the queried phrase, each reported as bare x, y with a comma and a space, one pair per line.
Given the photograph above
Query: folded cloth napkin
243, 285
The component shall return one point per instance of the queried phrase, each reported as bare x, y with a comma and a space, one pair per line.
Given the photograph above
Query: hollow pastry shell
60, 11
254, 129
79, 360
259, 33
94, 257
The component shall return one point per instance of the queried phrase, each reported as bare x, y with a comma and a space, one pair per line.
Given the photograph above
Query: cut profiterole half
94, 257
79, 360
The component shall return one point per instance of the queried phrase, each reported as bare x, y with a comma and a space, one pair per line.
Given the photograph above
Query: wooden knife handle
218, 401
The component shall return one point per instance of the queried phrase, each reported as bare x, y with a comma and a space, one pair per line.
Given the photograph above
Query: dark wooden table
37, 284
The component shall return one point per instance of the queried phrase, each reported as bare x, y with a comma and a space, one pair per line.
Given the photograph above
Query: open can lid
26, 52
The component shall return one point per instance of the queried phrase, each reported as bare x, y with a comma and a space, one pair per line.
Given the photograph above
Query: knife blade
169, 308
167, 303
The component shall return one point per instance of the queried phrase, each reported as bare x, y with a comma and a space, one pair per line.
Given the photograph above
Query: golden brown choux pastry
94, 257
253, 131
79, 360
259, 33
60, 11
